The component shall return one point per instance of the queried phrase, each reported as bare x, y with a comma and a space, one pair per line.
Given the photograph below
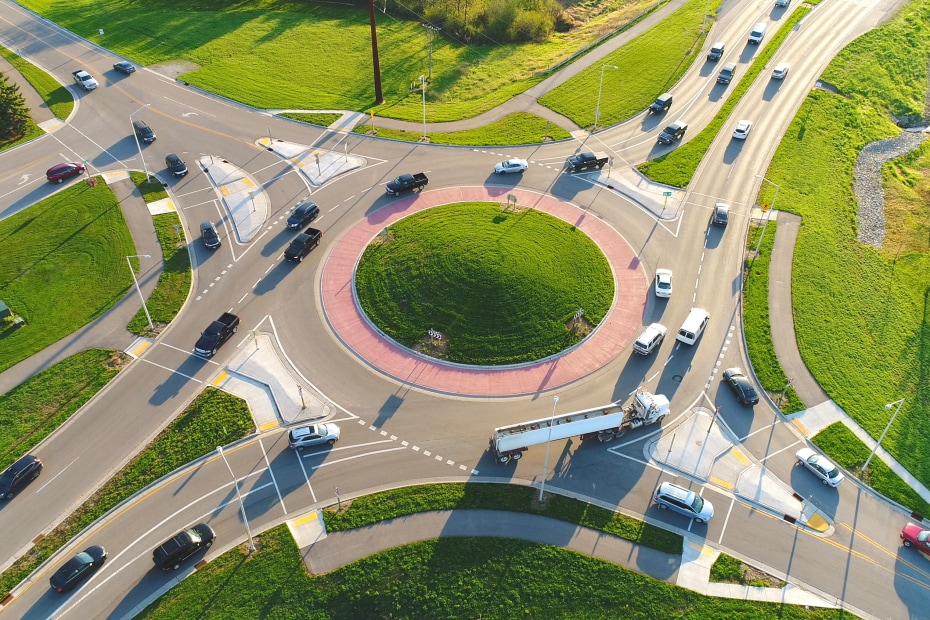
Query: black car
661, 104
18, 475
124, 67
78, 568
176, 165
183, 545
721, 214
211, 239
303, 214
143, 132
741, 386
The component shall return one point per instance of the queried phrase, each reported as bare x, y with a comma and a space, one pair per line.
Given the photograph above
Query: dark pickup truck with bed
302, 244
217, 334
405, 182
585, 160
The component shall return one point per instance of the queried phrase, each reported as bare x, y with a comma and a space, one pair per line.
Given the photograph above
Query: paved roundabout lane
601, 347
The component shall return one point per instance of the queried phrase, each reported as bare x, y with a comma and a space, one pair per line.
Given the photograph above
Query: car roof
782, 66
673, 490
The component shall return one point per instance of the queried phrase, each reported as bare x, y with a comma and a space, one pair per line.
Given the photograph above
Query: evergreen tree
14, 116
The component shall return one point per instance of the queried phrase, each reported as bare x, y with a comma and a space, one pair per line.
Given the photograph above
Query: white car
663, 282
312, 435
511, 165
822, 467
780, 71
742, 129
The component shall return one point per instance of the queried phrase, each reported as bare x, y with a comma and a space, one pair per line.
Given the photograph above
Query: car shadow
732, 151
771, 89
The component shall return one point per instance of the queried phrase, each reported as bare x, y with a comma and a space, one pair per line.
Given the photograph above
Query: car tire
907, 543
699, 520
61, 180
176, 567
825, 481
331, 441
208, 545
213, 353
517, 456
662, 506
300, 259
503, 460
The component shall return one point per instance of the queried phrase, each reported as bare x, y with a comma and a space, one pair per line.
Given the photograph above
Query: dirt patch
174, 68
432, 346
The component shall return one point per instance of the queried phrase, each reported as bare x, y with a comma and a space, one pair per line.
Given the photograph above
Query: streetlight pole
431, 29
138, 145
245, 518
138, 290
884, 432
771, 208
597, 110
542, 485
423, 89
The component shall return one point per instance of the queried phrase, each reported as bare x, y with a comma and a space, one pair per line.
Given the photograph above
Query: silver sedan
511, 165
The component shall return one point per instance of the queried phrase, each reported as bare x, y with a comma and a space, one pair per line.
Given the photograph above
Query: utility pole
379, 96
431, 30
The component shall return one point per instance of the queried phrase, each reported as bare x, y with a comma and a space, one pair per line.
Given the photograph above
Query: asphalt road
859, 563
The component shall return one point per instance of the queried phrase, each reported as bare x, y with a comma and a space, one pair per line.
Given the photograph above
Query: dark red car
915, 536
57, 174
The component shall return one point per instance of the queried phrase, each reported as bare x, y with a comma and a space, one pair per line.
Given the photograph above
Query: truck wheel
661, 418
517, 456
300, 259
213, 353
605, 437
599, 166
503, 460
235, 328
176, 567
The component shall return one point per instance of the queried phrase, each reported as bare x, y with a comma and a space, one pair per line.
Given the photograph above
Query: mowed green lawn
647, 66
63, 265
447, 578
861, 313
318, 56
500, 286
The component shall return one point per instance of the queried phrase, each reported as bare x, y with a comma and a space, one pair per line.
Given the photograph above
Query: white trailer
603, 423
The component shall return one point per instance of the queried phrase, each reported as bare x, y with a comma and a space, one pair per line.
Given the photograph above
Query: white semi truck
603, 423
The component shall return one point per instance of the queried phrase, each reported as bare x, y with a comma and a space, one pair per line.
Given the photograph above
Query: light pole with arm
138, 290
423, 89
771, 208
138, 144
245, 518
542, 481
600, 88
884, 432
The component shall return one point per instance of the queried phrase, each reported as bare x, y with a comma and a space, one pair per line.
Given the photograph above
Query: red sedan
915, 536
57, 174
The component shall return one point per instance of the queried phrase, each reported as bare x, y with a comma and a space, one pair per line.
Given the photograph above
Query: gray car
312, 435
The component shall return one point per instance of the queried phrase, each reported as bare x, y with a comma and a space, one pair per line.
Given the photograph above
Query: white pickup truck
85, 79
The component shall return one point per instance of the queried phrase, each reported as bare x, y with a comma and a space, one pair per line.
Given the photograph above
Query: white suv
312, 435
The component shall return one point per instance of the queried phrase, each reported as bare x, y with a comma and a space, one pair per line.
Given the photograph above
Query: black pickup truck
216, 334
404, 182
585, 160
302, 244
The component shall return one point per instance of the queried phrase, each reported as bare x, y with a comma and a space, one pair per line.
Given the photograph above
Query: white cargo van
693, 326
757, 34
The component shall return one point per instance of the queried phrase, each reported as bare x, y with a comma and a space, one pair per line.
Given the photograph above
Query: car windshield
698, 504
923, 536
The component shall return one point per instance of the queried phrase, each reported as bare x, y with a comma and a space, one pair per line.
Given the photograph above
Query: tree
14, 115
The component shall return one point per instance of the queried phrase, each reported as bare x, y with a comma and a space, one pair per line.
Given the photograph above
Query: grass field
861, 313
31, 411
261, 38
213, 418
500, 286
449, 578
677, 167
519, 128
58, 282
668, 49
174, 284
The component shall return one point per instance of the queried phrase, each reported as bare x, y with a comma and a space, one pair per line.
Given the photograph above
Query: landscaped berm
478, 283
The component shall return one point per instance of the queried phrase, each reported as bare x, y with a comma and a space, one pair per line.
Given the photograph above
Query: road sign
666, 194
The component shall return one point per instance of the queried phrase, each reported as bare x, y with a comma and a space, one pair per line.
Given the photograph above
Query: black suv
176, 165
675, 131
18, 475
303, 214
182, 546
143, 131
211, 239
716, 52
661, 104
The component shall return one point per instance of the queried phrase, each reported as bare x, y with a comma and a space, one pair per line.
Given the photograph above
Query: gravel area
867, 182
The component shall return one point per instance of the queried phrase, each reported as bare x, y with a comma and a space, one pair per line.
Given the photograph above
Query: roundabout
359, 335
